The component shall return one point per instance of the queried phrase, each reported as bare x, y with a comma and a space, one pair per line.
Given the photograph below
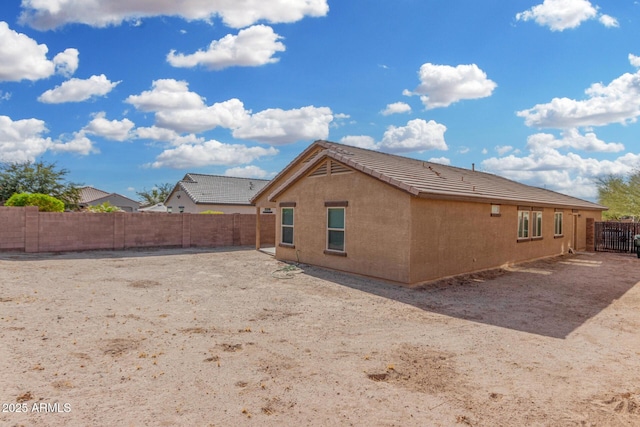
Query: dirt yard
236, 338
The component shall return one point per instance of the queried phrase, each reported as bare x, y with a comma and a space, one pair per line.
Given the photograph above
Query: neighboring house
90, 196
197, 192
411, 221
158, 207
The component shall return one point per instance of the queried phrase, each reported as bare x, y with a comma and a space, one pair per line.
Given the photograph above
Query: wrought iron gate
615, 236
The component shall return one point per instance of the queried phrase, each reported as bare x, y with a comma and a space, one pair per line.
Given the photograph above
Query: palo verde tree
158, 194
620, 194
37, 177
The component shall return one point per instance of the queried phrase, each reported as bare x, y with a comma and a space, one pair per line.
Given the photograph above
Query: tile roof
89, 194
430, 180
215, 189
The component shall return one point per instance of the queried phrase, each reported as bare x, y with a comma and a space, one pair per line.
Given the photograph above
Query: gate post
591, 234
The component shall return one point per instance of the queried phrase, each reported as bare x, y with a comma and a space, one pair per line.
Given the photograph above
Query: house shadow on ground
550, 298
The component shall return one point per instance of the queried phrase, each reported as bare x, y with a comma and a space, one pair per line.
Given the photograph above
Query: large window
557, 230
523, 224
286, 226
537, 224
335, 229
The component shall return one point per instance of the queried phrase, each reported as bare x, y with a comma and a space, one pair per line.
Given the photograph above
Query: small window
557, 230
523, 224
287, 226
495, 210
181, 209
335, 229
537, 224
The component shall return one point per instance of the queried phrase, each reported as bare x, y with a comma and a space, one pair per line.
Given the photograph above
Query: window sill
286, 245
335, 253
537, 238
558, 236
524, 239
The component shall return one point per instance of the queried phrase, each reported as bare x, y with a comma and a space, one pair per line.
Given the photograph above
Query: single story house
90, 196
411, 221
198, 192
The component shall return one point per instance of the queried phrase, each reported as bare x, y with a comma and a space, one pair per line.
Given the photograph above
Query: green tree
105, 207
44, 202
37, 177
620, 194
158, 194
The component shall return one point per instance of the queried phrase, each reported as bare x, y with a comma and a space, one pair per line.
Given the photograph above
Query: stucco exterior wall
452, 237
377, 228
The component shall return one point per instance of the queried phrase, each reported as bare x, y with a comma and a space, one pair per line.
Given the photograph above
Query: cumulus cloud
78, 90
248, 172
210, 153
440, 160
503, 149
396, 108
227, 114
634, 60
360, 141
443, 85
22, 58
252, 47
560, 15
24, 140
617, 102
547, 165
116, 130
49, 14
166, 94
155, 133
417, 135
275, 126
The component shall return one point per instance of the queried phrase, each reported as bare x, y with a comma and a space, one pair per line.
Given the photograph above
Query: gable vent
320, 171
311, 156
338, 168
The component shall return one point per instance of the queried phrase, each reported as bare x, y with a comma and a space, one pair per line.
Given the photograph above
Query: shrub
105, 207
210, 212
44, 202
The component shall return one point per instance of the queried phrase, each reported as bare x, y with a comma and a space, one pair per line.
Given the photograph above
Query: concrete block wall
26, 229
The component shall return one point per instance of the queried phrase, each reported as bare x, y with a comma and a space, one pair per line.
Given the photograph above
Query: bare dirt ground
236, 338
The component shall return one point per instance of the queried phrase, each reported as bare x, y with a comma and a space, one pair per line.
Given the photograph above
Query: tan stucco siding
376, 230
451, 237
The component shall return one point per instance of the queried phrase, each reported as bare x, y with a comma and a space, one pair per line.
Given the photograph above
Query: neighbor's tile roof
425, 179
215, 189
89, 194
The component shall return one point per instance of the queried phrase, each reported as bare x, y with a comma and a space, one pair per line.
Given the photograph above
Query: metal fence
615, 236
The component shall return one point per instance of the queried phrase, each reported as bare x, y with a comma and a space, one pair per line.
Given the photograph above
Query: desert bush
210, 212
105, 207
44, 202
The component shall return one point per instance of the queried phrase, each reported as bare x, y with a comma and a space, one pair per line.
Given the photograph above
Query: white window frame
291, 226
558, 224
523, 232
536, 231
343, 229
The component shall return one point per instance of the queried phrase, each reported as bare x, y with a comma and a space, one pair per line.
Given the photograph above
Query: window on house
523, 224
557, 230
287, 226
537, 224
335, 229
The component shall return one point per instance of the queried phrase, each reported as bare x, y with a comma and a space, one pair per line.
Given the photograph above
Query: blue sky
126, 94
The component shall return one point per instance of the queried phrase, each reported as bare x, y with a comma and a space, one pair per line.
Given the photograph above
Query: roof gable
425, 179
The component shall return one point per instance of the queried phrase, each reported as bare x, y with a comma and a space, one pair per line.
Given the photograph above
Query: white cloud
560, 15
22, 58
396, 108
440, 160
634, 60
503, 149
443, 85
166, 135
248, 172
360, 141
166, 94
227, 114
572, 139
78, 90
569, 173
417, 135
117, 130
23, 140
210, 153
48, 14
252, 47
618, 102
275, 126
